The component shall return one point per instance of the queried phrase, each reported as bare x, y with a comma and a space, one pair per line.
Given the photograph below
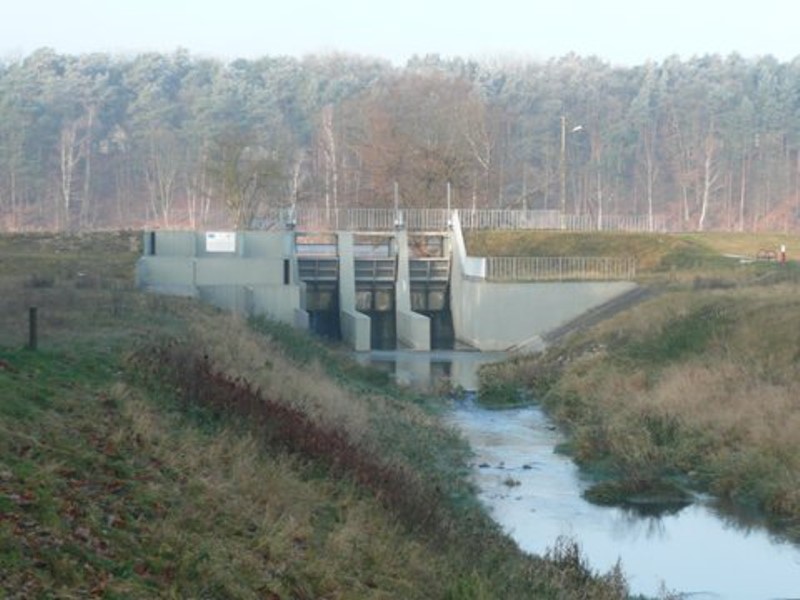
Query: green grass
113, 485
305, 350
696, 386
106, 493
659, 257
682, 336
652, 252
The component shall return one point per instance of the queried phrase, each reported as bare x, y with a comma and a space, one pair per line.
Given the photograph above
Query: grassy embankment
697, 387
153, 447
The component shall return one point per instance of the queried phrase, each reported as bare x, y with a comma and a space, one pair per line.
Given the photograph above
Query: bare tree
243, 173
329, 154
161, 170
711, 174
71, 151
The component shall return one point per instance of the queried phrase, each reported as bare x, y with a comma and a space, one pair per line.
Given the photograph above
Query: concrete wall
499, 316
240, 271
170, 243
250, 279
264, 243
281, 303
234, 298
413, 329
167, 275
355, 326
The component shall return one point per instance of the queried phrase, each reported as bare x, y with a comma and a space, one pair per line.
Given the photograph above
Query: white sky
625, 32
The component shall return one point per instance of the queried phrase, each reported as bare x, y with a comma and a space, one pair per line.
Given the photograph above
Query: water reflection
692, 550
535, 495
431, 370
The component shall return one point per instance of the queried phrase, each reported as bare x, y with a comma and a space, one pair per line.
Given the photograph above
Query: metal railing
509, 219
559, 268
340, 219
554, 220
438, 219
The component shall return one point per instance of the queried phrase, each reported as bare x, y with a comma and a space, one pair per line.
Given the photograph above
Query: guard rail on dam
382, 288
560, 268
440, 219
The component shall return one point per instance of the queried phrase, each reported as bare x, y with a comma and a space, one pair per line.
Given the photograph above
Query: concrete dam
388, 289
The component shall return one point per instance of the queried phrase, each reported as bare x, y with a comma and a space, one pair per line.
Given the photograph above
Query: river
535, 495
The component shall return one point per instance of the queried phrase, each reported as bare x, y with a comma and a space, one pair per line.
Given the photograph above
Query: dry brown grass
649, 250
156, 499
235, 349
291, 534
747, 244
702, 383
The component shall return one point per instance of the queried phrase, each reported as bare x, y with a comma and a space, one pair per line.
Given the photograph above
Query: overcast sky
624, 32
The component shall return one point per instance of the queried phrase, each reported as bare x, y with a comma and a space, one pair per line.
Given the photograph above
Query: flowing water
535, 495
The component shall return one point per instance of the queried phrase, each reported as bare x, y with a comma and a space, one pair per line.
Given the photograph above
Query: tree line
98, 140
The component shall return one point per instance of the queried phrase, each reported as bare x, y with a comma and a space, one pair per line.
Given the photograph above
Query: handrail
559, 268
437, 219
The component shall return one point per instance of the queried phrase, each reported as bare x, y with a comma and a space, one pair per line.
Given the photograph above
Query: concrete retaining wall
257, 276
499, 316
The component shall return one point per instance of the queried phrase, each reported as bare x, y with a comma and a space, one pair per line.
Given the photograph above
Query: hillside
694, 388
154, 447
687, 253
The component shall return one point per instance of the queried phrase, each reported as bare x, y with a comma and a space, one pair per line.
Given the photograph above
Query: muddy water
535, 495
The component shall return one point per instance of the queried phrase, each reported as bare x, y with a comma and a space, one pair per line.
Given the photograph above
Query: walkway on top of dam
440, 219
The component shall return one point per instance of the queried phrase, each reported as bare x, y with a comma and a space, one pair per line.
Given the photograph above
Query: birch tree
711, 174
645, 118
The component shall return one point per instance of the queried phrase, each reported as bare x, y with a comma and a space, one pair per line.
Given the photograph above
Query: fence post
33, 334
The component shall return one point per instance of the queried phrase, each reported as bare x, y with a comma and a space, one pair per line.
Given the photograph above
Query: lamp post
563, 166
563, 169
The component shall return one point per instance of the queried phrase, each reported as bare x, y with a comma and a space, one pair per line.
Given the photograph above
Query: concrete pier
356, 326
413, 329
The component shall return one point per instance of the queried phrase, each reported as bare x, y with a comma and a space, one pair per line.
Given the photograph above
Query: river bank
536, 495
697, 388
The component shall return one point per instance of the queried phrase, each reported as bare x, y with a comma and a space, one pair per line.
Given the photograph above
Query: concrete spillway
372, 290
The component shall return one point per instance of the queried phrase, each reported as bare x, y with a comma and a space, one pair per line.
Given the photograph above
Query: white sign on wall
221, 241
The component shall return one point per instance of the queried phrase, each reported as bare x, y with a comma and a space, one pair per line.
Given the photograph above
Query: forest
176, 140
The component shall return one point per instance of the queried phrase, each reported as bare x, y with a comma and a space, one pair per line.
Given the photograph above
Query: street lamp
563, 164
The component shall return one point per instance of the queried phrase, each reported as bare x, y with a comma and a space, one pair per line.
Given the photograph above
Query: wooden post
33, 341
